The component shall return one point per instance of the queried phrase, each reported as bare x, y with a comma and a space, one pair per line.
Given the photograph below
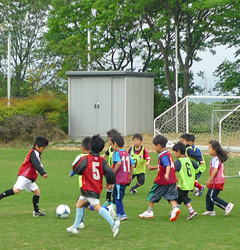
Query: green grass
19, 230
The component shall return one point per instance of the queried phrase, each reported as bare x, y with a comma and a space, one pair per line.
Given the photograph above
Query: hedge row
42, 114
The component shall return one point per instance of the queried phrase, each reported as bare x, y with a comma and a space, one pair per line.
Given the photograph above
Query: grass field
19, 230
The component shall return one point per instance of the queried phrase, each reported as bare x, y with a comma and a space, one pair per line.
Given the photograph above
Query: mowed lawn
19, 230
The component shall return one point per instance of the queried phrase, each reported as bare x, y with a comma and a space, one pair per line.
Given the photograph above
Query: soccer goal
207, 117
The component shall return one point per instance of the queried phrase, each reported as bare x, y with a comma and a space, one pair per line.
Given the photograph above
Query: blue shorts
119, 191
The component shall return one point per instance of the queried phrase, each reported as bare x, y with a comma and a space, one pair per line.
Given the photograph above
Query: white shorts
91, 200
24, 183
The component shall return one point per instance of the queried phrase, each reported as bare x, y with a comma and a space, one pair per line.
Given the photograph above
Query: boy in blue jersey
109, 154
195, 156
165, 182
123, 168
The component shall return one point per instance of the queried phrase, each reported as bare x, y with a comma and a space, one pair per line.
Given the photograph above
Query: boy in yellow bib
141, 157
186, 169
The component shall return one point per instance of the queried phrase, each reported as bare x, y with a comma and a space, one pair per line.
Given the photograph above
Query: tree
26, 21
226, 31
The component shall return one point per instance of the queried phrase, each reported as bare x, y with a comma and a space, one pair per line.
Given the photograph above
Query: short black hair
96, 144
160, 139
179, 146
185, 136
112, 132
138, 136
41, 141
192, 138
119, 140
85, 143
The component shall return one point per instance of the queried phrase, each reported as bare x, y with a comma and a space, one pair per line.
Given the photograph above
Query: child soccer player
165, 182
109, 154
186, 169
201, 168
195, 156
28, 174
92, 167
216, 180
123, 168
85, 151
141, 158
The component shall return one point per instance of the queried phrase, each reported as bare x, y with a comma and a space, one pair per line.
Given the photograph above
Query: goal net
207, 117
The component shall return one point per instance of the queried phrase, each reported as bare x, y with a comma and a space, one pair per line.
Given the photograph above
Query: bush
43, 114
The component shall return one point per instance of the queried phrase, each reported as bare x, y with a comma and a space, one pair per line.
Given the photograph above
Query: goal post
225, 128
207, 117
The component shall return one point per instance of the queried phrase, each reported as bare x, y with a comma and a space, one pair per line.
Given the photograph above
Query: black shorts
183, 197
140, 178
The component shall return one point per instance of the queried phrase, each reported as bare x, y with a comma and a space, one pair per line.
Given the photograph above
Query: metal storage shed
101, 100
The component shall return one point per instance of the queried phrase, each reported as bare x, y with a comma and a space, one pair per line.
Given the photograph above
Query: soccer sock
78, 218
92, 208
104, 213
6, 193
113, 201
119, 204
108, 195
198, 185
35, 202
150, 209
83, 215
136, 186
190, 210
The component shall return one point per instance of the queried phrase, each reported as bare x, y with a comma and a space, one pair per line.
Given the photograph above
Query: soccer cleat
38, 213
133, 191
147, 214
112, 211
201, 191
73, 230
107, 203
228, 208
174, 214
211, 213
121, 217
191, 215
115, 229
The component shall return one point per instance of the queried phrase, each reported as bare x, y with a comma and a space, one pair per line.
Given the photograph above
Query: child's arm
117, 166
147, 157
167, 172
150, 168
215, 170
38, 165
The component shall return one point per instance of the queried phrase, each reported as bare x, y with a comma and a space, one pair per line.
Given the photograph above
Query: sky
209, 64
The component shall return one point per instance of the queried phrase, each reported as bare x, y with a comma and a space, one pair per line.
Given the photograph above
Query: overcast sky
209, 64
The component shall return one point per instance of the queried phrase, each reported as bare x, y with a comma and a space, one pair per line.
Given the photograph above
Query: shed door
96, 108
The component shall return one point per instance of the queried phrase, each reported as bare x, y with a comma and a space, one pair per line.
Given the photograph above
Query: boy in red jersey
165, 182
123, 168
92, 167
28, 174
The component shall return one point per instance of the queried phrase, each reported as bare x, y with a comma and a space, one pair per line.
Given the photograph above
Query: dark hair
96, 144
221, 153
119, 140
179, 146
85, 143
137, 136
160, 139
192, 138
112, 132
185, 136
41, 141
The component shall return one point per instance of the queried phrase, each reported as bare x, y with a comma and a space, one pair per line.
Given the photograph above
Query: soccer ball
63, 211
